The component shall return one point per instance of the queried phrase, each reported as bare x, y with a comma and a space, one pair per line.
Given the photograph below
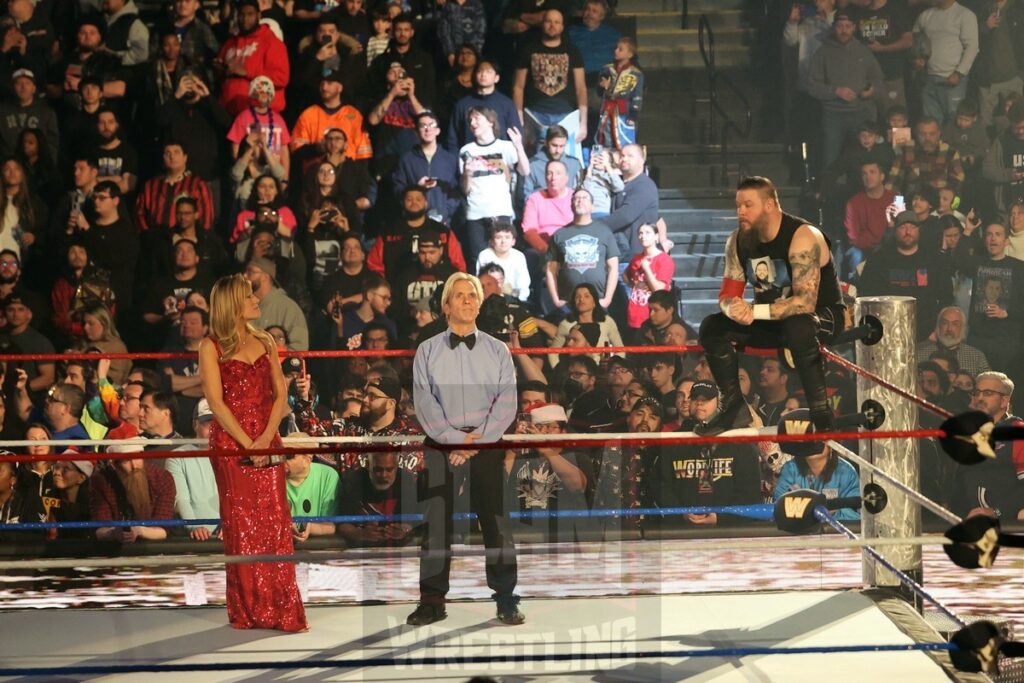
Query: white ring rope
395, 439
917, 497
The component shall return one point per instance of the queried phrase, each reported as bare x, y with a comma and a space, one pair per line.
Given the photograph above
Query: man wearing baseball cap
703, 401
276, 307
546, 478
418, 280
903, 268
195, 489
716, 475
814, 466
844, 76
378, 416
374, 483
28, 111
330, 114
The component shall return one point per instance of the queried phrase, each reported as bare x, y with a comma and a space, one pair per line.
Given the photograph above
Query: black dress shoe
426, 614
510, 615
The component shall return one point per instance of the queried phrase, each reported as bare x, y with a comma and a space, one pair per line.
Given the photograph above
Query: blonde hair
226, 302
102, 314
449, 285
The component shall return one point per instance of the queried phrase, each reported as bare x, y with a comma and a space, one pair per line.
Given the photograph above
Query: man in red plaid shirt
131, 489
155, 207
378, 417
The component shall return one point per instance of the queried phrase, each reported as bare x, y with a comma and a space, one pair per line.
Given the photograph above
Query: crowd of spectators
348, 160
918, 150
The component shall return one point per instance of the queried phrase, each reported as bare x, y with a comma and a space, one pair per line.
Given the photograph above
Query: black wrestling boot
810, 366
508, 611
426, 614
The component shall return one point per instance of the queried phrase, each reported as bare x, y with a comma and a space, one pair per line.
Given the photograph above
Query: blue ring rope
823, 515
99, 669
761, 512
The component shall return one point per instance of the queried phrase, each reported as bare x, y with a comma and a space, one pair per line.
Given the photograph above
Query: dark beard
413, 215
9, 280
136, 488
748, 240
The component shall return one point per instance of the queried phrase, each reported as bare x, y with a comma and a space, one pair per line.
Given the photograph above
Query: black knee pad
712, 330
800, 333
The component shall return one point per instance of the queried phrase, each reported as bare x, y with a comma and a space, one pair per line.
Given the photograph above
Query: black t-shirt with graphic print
885, 25
549, 81
121, 159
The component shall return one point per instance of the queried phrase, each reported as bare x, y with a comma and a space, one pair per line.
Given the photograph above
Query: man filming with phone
393, 119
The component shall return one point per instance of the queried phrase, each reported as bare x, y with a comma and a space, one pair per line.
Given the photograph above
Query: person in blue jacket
814, 466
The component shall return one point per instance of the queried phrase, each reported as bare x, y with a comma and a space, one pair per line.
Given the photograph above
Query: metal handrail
706, 42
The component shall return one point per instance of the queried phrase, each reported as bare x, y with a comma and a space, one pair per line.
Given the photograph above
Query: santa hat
543, 413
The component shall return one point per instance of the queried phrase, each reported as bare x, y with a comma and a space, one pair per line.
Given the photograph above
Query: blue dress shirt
459, 389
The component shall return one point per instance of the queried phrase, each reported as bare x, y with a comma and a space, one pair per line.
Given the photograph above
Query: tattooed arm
730, 296
805, 260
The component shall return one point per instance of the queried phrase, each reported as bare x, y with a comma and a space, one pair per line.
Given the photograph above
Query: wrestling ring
796, 595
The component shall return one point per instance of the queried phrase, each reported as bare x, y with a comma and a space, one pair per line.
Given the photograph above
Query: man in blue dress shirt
464, 389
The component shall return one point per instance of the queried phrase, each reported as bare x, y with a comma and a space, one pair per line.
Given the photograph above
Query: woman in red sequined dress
243, 382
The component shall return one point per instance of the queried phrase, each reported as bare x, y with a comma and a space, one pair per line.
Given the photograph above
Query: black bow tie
469, 340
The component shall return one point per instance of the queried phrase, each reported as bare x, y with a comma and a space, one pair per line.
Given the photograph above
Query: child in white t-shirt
502, 238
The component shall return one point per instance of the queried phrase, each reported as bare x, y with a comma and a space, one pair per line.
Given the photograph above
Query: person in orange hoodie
254, 51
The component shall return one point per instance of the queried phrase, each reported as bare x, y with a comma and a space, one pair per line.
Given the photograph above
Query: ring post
893, 359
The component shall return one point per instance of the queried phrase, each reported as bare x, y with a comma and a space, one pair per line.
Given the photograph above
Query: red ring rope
356, 353
567, 442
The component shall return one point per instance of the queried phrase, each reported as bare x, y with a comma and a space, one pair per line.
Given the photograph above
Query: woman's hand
262, 441
314, 220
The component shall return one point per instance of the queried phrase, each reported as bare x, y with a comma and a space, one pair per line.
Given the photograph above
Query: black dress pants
440, 487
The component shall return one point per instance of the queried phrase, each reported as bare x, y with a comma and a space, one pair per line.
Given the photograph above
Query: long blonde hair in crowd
227, 300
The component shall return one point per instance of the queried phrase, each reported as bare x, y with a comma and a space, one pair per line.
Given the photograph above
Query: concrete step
686, 178
699, 265
713, 197
668, 36
695, 310
715, 222
683, 57
768, 166
719, 20
697, 287
702, 152
696, 7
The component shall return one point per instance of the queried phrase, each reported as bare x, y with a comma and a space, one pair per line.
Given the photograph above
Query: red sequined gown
254, 511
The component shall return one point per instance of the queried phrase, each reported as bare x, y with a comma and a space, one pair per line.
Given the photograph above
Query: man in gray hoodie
126, 36
844, 76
